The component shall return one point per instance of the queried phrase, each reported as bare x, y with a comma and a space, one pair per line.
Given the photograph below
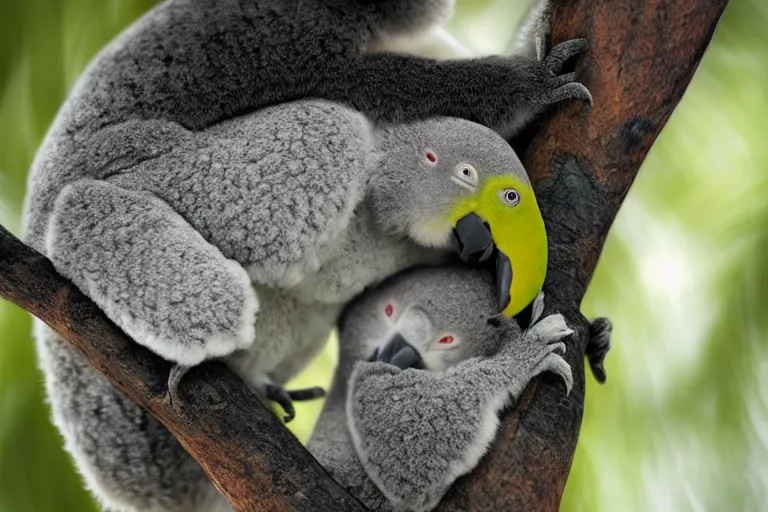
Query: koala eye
431, 157
465, 175
446, 340
389, 310
510, 196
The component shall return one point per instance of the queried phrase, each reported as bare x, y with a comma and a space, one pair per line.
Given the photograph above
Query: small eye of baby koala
446, 340
431, 157
389, 310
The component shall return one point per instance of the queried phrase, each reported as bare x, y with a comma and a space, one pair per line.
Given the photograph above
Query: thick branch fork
247, 453
643, 55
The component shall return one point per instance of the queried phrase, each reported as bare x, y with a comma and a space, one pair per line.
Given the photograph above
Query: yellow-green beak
515, 236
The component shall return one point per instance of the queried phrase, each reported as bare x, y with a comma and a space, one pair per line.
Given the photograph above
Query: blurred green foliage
682, 423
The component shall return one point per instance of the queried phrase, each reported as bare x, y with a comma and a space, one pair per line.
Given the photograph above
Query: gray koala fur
398, 438
172, 193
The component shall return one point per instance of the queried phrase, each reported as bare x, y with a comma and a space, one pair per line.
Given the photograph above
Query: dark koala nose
473, 240
398, 352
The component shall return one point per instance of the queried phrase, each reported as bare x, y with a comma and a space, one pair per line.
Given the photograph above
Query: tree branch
642, 57
643, 54
241, 445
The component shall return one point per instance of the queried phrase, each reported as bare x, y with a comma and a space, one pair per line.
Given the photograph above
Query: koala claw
554, 362
552, 328
286, 398
174, 379
538, 308
558, 348
598, 346
283, 398
300, 395
572, 91
562, 52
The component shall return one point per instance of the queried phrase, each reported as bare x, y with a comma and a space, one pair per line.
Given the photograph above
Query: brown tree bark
244, 449
643, 55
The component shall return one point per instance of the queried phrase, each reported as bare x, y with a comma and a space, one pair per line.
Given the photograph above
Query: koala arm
494, 91
162, 248
416, 432
151, 272
199, 62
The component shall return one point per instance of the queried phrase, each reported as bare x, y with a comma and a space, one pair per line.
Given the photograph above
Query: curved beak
484, 225
475, 245
398, 352
473, 239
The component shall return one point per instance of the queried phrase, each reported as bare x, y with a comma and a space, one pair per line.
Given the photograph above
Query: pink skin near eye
389, 310
431, 157
446, 340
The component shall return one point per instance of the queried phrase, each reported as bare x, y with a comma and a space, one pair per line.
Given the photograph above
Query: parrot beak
473, 239
475, 245
399, 353
503, 279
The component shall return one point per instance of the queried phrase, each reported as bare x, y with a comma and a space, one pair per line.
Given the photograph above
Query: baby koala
397, 436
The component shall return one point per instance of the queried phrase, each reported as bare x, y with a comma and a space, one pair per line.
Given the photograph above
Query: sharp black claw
561, 53
279, 395
174, 379
598, 346
300, 395
598, 370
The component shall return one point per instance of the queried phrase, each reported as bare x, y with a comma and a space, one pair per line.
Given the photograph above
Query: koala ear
415, 432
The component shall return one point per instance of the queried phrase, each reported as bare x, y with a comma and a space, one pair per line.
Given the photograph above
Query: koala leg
151, 273
128, 460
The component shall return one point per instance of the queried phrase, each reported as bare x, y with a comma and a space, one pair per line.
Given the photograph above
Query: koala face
432, 317
447, 182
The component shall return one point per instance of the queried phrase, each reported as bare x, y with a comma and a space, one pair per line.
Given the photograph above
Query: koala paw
559, 86
551, 328
554, 362
598, 346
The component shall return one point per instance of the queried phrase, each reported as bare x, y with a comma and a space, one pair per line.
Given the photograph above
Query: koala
425, 366
190, 188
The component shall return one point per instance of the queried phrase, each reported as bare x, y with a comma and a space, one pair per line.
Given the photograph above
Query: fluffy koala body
157, 201
177, 261
398, 438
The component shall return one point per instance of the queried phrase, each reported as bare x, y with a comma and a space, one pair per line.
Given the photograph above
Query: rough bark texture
249, 455
643, 55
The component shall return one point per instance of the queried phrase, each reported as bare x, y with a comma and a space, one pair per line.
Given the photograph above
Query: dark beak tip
398, 352
503, 280
473, 240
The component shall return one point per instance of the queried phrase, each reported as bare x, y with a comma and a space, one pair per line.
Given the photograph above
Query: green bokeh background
682, 423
